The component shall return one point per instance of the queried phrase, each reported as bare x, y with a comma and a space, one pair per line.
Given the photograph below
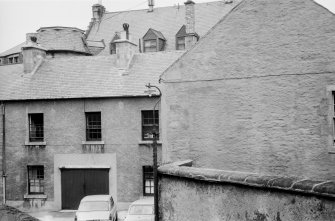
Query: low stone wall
188, 193
8, 213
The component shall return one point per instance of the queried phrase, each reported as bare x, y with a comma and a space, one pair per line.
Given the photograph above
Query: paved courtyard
54, 216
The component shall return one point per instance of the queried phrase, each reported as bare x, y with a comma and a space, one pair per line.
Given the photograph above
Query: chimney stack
191, 37
125, 48
98, 11
33, 54
151, 4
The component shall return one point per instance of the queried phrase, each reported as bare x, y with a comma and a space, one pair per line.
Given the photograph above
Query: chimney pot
151, 5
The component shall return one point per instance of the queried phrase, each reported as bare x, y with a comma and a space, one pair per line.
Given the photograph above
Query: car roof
96, 198
144, 201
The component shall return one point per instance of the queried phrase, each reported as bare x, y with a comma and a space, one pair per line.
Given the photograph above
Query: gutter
3, 152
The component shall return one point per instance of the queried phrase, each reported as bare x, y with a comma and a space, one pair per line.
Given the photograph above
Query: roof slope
13, 50
84, 76
62, 38
261, 38
167, 20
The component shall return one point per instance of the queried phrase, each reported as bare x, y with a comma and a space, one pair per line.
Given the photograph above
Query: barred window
93, 126
35, 179
148, 181
149, 122
36, 127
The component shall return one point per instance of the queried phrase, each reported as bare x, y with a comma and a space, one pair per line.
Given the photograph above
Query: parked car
96, 207
141, 210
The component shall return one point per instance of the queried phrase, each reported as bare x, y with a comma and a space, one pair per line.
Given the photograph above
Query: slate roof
62, 38
167, 20
280, 37
13, 50
84, 77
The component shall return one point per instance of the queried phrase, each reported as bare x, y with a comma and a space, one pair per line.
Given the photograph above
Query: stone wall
64, 133
188, 193
253, 94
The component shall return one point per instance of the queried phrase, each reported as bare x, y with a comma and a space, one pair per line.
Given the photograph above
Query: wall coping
293, 184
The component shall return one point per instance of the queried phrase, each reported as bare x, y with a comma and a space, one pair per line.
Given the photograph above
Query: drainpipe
3, 153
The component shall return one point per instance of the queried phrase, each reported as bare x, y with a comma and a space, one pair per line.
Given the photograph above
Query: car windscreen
93, 206
141, 210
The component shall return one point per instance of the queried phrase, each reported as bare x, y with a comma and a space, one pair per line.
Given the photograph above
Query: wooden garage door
77, 183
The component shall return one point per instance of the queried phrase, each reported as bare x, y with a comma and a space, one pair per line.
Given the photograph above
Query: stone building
76, 118
257, 93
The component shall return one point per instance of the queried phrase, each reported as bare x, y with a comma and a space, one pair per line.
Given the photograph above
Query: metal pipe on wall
3, 152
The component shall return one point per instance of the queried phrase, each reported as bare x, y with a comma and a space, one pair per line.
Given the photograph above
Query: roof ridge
145, 9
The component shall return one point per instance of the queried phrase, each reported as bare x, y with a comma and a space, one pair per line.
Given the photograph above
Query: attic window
180, 38
112, 45
153, 41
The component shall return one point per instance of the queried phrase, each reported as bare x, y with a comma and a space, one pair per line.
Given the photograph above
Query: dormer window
180, 38
112, 45
153, 41
180, 44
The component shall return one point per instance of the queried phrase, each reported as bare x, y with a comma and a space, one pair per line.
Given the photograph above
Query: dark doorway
77, 183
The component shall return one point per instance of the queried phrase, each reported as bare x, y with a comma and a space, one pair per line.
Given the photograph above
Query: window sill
145, 142
28, 143
93, 142
35, 196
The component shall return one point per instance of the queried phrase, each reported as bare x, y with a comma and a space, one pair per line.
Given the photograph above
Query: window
148, 180
35, 179
149, 121
150, 46
180, 43
36, 131
16, 59
93, 126
10, 60
113, 48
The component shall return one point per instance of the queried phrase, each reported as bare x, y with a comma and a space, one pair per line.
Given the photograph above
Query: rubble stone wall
188, 193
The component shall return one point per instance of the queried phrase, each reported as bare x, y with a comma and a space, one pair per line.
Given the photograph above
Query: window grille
148, 181
35, 179
36, 128
93, 126
149, 123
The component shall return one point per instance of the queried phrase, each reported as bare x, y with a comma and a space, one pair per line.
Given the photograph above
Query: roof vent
228, 1
151, 4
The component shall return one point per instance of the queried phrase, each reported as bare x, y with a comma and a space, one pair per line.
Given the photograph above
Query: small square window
93, 126
35, 179
150, 122
36, 127
148, 181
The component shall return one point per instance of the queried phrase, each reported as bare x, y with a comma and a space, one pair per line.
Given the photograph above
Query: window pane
93, 126
35, 179
36, 130
149, 123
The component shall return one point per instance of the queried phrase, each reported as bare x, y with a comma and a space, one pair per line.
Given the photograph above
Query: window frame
151, 126
30, 128
89, 128
39, 178
178, 45
148, 175
155, 46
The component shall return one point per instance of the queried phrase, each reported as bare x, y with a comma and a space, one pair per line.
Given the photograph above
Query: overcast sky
18, 17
